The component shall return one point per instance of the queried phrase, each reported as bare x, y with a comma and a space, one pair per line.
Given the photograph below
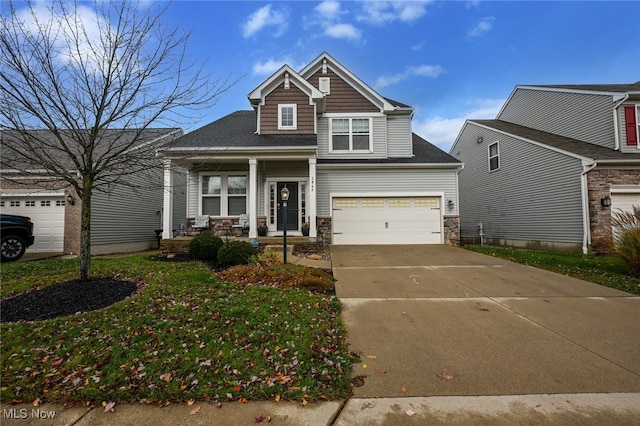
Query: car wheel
12, 248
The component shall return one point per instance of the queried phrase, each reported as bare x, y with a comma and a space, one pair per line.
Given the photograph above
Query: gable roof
257, 95
560, 143
325, 59
237, 131
606, 88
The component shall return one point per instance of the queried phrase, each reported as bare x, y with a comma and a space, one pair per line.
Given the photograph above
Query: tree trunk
85, 230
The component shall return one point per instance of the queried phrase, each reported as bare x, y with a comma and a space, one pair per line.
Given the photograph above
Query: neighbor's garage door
624, 201
403, 220
47, 215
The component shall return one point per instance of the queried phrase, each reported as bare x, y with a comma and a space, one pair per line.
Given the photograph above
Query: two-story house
552, 167
355, 171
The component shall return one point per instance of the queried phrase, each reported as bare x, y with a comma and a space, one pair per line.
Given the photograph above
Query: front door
292, 206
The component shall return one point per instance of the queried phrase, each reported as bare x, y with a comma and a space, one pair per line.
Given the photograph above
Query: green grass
610, 271
187, 336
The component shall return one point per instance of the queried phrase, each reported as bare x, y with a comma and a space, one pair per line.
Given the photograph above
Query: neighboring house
123, 219
552, 167
355, 171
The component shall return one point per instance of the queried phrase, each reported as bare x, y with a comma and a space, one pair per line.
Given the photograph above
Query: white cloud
346, 31
271, 65
482, 27
442, 131
383, 12
329, 9
431, 71
265, 17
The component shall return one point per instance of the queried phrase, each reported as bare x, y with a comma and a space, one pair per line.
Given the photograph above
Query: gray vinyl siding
379, 129
375, 181
128, 215
586, 117
399, 136
535, 195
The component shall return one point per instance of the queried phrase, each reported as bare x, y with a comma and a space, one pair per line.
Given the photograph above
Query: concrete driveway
436, 322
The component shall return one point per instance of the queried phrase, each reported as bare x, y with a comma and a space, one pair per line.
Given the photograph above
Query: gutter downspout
616, 130
586, 226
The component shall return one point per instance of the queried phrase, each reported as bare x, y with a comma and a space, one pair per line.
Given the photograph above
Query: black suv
17, 235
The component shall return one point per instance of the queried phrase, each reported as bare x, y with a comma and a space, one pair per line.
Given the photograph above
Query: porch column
311, 198
167, 202
253, 198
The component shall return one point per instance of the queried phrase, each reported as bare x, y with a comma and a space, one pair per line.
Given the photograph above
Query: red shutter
631, 125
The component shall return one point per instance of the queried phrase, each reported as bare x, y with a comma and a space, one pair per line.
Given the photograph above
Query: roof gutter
586, 226
616, 130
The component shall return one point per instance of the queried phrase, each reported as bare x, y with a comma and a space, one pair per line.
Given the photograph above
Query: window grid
494, 157
223, 195
401, 202
14, 203
59, 203
342, 203
372, 203
350, 134
287, 117
30, 203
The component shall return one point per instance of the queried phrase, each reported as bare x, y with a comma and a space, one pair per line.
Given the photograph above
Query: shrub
205, 247
626, 237
235, 253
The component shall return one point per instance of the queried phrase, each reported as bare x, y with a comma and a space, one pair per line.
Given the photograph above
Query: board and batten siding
582, 116
399, 136
331, 181
535, 195
379, 130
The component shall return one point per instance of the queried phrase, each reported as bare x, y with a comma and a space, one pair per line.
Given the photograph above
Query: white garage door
47, 215
386, 220
624, 201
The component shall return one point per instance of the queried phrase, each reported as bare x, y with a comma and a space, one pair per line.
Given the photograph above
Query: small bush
205, 247
626, 237
235, 253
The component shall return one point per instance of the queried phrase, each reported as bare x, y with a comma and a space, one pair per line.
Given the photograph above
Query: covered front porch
241, 196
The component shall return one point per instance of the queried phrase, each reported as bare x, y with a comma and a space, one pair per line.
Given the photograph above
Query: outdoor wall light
606, 201
70, 200
450, 204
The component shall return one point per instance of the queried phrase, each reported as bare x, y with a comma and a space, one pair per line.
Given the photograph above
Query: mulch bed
66, 298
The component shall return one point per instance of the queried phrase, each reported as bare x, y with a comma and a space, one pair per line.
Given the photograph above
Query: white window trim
350, 118
489, 156
224, 191
295, 116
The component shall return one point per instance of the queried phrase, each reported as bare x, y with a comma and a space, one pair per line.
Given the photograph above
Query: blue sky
450, 60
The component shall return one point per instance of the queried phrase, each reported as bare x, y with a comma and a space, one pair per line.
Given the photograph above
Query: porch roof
238, 130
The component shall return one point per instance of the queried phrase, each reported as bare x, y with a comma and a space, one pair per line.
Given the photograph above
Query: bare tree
72, 73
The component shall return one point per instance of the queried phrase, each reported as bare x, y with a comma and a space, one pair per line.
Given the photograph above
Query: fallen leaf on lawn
304, 402
277, 398
244, 400
260, 419
108, 407
237, 388
36, 402
403, 388
166, 377
364, 365
195, 410
381, 371
190, 402
57, 362
445, 377
410, 413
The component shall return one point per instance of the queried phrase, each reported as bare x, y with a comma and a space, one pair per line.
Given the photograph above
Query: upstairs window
350, 134
494, 157
287, 117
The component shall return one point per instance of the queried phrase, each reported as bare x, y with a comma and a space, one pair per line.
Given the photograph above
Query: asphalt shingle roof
575, 146
620, 88
238, 130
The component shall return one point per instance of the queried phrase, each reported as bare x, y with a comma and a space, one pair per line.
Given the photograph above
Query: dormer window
287, 117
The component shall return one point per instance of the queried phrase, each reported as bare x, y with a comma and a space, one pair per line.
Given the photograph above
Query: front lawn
610, 271
188, 336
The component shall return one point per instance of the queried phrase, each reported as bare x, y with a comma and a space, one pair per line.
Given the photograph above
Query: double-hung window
287, 117
494, 157
350, 134
223, 194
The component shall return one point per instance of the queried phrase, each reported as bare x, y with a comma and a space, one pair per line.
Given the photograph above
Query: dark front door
292, 206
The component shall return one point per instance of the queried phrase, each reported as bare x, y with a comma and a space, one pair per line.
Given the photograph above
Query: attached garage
46, 213
387, 220
625, 197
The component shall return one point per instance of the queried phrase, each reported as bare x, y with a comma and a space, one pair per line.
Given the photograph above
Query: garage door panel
387, 221
47, 215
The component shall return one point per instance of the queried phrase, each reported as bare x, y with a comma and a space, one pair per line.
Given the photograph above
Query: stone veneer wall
599, 183
452, 230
